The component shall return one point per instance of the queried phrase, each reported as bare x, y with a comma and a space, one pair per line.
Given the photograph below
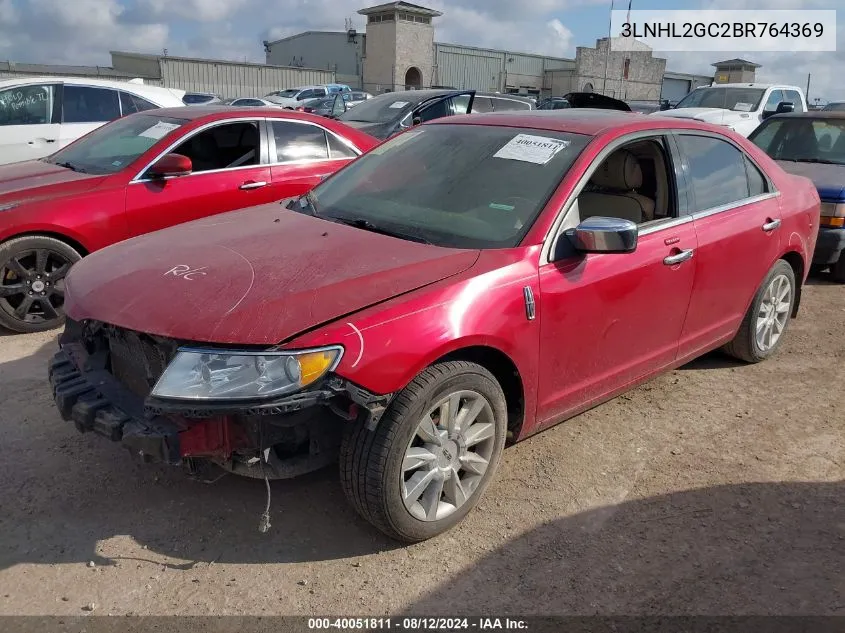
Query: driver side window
634, 183
223, 147
772, 102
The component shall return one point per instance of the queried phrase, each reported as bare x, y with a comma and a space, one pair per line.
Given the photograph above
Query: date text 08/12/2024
417, 624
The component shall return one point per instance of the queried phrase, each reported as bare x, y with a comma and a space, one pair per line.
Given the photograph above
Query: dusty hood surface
708, 115
36, 179
258, 276
829, 179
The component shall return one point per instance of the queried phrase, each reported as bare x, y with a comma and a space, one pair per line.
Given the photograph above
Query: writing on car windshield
116, 145
453, 185
739, 99
803, 140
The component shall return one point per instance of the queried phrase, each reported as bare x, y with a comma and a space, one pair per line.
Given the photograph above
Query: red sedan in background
145, 172
468, 282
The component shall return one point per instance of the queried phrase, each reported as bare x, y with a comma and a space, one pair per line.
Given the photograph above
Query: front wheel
432, 455
761, 331
32, 282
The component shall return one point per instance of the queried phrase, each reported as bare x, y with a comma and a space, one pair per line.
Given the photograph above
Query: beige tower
399, 47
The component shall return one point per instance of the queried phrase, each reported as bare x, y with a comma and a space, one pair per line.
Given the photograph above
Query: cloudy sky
83, 31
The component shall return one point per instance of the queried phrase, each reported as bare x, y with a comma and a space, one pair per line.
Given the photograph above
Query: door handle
253, 185
771, 226
679, 258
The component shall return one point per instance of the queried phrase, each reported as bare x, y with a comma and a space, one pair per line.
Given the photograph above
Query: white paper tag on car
159, 130
398, 104
744, 107
531, 149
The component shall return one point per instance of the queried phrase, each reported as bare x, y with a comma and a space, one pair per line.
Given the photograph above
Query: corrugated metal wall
237, 80
467, 68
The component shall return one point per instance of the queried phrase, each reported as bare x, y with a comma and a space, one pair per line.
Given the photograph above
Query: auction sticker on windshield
531, 149
744, 107
159, 130
398, 104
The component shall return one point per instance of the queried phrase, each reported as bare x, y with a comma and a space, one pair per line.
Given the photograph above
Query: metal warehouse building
398, 51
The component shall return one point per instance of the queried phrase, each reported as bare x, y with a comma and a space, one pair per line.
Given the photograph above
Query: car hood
708, 115
254, 277
22, 182
828, 179
595, 100
380, 130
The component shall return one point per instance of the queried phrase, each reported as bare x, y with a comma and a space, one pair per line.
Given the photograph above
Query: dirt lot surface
715, 489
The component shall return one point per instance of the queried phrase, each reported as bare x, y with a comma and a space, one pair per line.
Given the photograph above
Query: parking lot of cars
417, 315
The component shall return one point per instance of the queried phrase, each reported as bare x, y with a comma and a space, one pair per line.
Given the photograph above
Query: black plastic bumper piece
93, 402
829, 246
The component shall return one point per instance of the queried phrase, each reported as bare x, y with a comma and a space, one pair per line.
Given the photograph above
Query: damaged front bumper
280, 439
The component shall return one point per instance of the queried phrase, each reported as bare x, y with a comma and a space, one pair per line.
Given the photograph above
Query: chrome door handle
253, 185
681, 257
771, 226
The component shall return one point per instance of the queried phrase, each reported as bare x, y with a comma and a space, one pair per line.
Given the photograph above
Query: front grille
137, 361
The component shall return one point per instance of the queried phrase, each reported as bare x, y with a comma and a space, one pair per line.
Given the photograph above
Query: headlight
203, 374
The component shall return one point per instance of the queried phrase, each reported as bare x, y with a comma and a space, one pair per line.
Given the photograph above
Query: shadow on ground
767, 548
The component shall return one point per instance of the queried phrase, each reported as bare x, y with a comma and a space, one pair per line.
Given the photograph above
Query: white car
292, 97
41, 115
741, 107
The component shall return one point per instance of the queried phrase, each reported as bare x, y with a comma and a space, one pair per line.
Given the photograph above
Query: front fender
387, 345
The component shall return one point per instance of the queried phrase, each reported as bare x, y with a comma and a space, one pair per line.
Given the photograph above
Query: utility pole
807, 94
607, 56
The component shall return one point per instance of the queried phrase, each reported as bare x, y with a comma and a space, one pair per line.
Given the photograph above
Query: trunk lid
253, 277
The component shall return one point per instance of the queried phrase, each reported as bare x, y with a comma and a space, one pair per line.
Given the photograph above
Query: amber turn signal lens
834, 222
314, 364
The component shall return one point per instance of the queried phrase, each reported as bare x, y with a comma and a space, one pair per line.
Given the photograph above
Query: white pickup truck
741, 107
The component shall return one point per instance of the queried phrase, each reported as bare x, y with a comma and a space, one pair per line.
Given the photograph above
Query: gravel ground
714, 489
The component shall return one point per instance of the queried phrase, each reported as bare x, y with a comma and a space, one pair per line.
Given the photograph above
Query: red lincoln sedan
469, 282
145, 172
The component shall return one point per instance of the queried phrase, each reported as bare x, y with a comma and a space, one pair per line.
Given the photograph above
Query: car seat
615, 195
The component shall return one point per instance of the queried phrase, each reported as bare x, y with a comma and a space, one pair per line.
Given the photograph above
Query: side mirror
785, 106
171, 166
417, 120
604, 235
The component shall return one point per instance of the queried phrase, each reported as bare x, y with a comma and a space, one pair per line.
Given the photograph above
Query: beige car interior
631, 184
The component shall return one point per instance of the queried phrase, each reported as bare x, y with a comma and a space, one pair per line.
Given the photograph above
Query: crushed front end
103, 380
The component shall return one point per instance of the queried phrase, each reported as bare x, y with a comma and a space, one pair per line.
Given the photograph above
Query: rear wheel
432, 455
765, 323
32, 282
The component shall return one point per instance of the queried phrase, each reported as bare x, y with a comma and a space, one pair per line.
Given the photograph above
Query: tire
837, 270
371, 462
32, 273
745, 346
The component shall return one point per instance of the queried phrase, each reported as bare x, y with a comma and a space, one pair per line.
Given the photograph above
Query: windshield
112, 147
288, 94
460, 186
741, 99
191, 99
380, 109
802, 139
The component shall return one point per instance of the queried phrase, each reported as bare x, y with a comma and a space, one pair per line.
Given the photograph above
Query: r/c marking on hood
361, 339
185, 271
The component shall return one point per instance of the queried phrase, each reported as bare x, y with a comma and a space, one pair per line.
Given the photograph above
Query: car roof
415, 96
588, 121
812, 114
752, 85
215, 112
129, 86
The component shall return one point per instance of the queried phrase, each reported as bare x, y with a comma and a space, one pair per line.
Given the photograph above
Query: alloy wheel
448, 455
32, 285
773, 314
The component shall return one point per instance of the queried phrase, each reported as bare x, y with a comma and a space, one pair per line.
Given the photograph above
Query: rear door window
717, 171
83, 104
795, 98
504, 105
299, 141
129, 103
482, 104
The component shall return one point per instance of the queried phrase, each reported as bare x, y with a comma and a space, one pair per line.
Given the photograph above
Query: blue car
812, 144
335, 88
